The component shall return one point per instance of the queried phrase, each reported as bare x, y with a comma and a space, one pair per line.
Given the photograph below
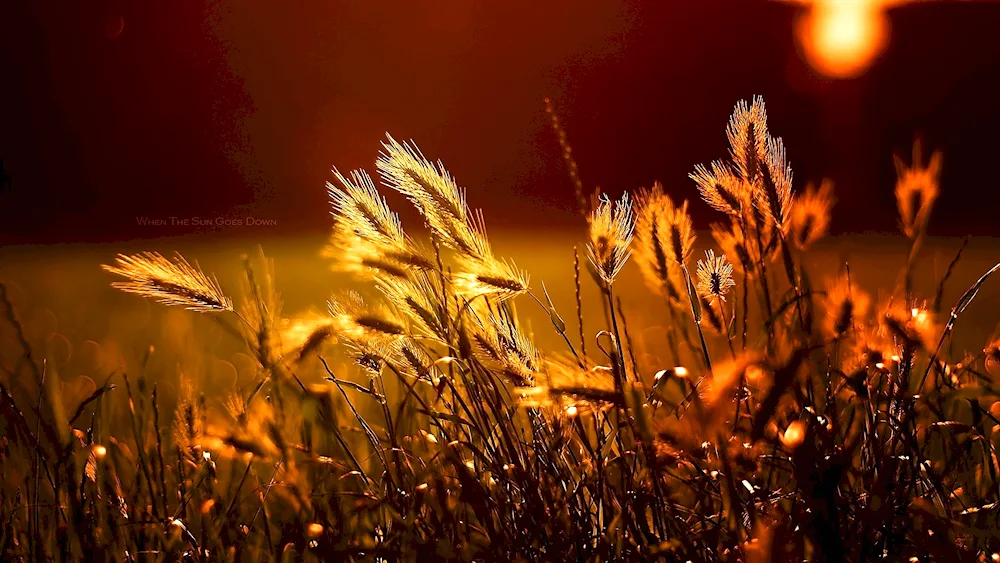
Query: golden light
100, 451
841, 38
755, 373
794, 435
314, 530
995, 409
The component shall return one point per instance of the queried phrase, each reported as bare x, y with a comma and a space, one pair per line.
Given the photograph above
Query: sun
842, 38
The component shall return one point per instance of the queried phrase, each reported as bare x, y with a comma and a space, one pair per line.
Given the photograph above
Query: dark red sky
236, 107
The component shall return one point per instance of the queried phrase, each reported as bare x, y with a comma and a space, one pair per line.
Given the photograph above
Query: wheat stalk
176, 283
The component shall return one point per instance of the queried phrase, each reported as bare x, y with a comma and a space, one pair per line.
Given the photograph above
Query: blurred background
115, 110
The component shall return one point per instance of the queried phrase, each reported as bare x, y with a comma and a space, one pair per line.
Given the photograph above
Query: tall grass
781, 418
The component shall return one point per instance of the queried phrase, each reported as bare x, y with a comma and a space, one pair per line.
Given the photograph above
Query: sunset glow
841, 39
500, 281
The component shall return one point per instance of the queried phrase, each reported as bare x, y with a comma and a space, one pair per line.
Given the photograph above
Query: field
62, 290
755, 393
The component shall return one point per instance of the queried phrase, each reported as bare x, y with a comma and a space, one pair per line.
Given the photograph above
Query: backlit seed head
611, 229
715, 276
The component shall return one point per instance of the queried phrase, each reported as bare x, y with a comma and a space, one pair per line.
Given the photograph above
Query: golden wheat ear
748, 138
809, 218
611, 228
363, 210
721, 188
172, 283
